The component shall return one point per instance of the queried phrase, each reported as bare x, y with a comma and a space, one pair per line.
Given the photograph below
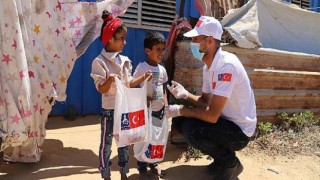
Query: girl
108, 65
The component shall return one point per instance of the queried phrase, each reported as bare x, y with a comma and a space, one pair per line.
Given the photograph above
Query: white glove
172, 111
178, 91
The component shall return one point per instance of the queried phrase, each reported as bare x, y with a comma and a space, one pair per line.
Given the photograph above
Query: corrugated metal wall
82, 96
314, 4
190, 10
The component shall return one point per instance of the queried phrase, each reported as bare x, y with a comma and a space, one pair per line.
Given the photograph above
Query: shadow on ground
184, 172
79, 158
181, 172
56, 161
173, 155
56, 122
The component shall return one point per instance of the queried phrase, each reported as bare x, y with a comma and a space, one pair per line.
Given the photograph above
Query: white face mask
195, 49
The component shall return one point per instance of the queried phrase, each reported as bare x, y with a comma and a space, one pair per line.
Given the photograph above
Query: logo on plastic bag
132, 120
154, 151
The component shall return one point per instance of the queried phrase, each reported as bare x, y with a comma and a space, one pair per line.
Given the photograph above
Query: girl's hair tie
108, 18
109, 30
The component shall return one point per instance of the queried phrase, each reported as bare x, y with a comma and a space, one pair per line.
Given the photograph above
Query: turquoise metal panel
82, 97
315, 5
189, 9
91, 99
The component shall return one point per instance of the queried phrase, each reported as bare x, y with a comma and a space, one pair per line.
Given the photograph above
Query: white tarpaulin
38, 44
274, 24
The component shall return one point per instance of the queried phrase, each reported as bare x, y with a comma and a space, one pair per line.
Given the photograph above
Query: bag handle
120, 86
145, 83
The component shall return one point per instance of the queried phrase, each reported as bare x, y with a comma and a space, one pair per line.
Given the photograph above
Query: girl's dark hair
105, 15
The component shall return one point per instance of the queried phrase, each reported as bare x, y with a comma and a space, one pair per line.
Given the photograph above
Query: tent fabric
274, 24
84, 19
176, 26
39, 41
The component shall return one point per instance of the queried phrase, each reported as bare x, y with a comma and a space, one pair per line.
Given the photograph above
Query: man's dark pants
219, 140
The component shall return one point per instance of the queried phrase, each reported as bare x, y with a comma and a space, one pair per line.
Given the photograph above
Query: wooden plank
284, 80
287, 102
275, 59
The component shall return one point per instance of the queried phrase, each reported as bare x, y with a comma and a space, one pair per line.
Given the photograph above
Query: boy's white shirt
155, 87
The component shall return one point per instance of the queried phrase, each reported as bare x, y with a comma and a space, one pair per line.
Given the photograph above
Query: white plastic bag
130, 115
154, 149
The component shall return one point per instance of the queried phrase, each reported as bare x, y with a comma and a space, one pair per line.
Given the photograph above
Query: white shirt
227, 77
110, 63
155, 87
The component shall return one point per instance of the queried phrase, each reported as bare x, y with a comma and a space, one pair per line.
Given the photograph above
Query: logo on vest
213, 85
225, 77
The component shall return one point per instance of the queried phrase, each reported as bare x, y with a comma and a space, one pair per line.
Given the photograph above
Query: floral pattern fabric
40, 41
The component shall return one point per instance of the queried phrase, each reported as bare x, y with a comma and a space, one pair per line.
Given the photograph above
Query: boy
154, 45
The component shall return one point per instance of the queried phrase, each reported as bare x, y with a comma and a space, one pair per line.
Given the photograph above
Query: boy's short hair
153, 38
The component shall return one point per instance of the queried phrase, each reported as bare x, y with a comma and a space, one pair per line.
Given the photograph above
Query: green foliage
192, 153
297, 133
298, 121
264, 130
265, 127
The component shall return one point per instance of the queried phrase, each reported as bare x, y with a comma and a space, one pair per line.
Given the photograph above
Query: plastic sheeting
274, 24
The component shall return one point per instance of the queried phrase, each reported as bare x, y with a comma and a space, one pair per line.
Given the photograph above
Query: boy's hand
149, 100
147, 75
112, 76
178, 91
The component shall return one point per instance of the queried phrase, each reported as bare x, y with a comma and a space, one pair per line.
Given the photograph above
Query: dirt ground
70, 151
